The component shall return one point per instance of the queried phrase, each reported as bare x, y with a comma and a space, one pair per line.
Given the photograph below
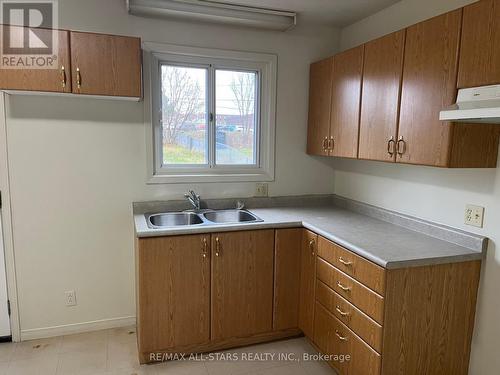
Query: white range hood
477, 104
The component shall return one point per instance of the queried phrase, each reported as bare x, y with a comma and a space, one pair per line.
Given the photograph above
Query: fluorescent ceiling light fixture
215, 12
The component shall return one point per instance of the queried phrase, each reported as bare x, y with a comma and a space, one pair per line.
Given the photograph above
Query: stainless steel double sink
203, 217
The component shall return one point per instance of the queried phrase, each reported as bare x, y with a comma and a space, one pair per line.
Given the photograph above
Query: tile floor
114, 352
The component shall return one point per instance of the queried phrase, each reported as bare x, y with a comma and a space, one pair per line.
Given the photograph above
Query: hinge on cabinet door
8, 306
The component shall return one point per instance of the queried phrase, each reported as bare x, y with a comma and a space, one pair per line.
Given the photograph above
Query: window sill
210, 178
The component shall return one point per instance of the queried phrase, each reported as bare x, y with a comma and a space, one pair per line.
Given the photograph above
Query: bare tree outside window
243, 88
183, 114
236, 117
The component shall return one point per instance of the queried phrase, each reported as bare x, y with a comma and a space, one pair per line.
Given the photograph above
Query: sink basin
173, 219
230, 216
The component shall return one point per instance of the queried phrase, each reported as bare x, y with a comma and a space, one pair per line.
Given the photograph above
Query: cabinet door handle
342, 313
217, 247
391, 144
204, 250
343, 287
311, 246
325, 144
78, 78
63, 77
401, 146
340, 336
345, 262
331, 144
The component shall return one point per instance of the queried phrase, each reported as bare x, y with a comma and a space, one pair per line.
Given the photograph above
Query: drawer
365, 327
366, 272
354, 357
359, 295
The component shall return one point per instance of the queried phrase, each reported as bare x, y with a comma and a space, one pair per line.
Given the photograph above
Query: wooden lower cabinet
365, 327
242, 283
206, 292
173, 306
287, 252
200, 293
359, 295
350, 354
307, 281
422, 324
430, 313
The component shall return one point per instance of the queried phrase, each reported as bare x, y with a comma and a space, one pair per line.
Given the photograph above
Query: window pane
236, 130
184, 115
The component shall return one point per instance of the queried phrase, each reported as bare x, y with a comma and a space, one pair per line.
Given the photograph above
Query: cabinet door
173, 305
479, 52
307, 282
429, 85
320, 96
106, 64
242, 283
346, 97
287, 249
382, 71
51, 80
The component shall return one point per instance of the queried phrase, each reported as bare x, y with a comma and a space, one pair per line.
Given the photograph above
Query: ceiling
336, 13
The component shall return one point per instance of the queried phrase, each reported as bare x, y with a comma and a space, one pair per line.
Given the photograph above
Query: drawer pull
342, 313
345, 262
343, 287
341, 338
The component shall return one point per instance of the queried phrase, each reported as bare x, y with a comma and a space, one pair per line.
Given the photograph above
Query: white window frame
264, 64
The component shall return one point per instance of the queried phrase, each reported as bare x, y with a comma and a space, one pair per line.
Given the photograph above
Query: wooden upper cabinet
173, 307
429, 85
382, 71
106, 64
242, 283
345, 107
56, 79
320, 97
480, 52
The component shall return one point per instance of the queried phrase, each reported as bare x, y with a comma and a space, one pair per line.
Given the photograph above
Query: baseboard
68, 329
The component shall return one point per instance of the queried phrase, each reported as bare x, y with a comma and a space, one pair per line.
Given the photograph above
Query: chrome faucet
193, 198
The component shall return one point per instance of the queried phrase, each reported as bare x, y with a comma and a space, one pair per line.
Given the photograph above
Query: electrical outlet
474, 215
70, 298
261, 189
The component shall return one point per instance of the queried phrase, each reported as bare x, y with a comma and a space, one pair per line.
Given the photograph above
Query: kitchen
72, 168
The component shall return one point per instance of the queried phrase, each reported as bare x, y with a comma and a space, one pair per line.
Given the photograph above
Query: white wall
432, 193
77, 164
